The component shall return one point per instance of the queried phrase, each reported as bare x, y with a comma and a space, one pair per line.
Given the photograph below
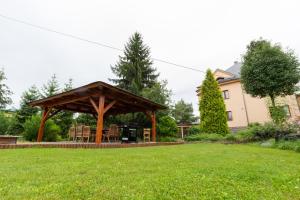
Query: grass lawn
191, 171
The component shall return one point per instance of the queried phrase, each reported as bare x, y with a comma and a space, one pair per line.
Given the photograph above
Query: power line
90, 41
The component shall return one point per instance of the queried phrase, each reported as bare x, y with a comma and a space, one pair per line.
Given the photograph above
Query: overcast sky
201, 34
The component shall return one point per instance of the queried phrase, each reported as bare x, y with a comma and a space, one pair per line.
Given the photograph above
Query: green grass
192, 171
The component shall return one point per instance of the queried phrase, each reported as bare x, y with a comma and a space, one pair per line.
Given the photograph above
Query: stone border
84, 145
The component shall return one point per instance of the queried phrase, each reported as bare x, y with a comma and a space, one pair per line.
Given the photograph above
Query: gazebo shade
79, 100
99, 99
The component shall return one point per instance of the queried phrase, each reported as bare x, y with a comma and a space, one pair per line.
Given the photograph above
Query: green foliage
267, 70
205, 137
230, 137
158, 93
5, 92
134, 70
213, 117
246, 135
86, 119
167, 139
135, 73
31, 127
5, 122
194, 130
64, 119
13, 128
51, 88
183, 112
166, 126
283, 144
262, 132
278, 115
26, 111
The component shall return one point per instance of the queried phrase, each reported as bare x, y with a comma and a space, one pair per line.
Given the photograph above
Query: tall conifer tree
134, 70
64, 118
213, 117
51, 88
5, 92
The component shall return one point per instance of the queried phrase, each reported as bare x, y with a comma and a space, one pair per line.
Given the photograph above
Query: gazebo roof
82, 99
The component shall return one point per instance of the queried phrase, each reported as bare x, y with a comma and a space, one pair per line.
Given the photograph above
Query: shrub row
255, 132
282, 144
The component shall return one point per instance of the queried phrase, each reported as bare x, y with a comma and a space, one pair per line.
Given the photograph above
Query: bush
245, 135
31, 127
266, 131
167, 139
167, 126
230, 137
278, 115
194, 130
212, 137
5, 122
285, 145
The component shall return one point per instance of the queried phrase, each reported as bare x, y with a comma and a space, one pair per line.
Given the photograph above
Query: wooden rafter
94, 105
110, 105
70, 100
53, 113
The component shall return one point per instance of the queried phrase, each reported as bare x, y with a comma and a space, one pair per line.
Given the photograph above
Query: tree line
133, 72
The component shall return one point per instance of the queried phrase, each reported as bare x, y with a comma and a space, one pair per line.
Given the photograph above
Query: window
286, 109
225, 94
229, 116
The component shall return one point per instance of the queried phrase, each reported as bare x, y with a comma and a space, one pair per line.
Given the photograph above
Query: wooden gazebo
99, 99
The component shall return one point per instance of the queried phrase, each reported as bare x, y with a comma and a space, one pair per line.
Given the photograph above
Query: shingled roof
235, 69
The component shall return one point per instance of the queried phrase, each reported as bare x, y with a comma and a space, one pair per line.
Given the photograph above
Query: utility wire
89, 41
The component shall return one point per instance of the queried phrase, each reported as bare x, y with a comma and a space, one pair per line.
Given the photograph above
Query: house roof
79, 100
235, 69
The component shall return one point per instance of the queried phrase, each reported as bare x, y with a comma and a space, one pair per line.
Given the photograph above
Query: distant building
242, 108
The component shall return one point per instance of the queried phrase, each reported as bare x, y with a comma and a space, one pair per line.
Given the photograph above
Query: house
243, 109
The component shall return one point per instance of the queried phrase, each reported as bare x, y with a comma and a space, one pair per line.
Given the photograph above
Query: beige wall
235, 104
247, 109
219, 73
257, 109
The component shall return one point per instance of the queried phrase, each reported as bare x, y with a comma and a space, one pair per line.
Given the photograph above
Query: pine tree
183, 112
134, 70
51, 88
28, 96
64, 119
5, 92
213, 117
26, 111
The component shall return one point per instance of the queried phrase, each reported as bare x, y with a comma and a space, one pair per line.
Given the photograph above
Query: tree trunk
273, 100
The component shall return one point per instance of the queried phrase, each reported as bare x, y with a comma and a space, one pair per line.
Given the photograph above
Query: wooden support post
153, 119
100, 119
42, 125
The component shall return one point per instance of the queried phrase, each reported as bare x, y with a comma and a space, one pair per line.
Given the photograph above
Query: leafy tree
51, 88
183, 112
31, 127
267, 70
212, 108
167, 126
134, 70
5, 92
86, 119
4, 123
159, 93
